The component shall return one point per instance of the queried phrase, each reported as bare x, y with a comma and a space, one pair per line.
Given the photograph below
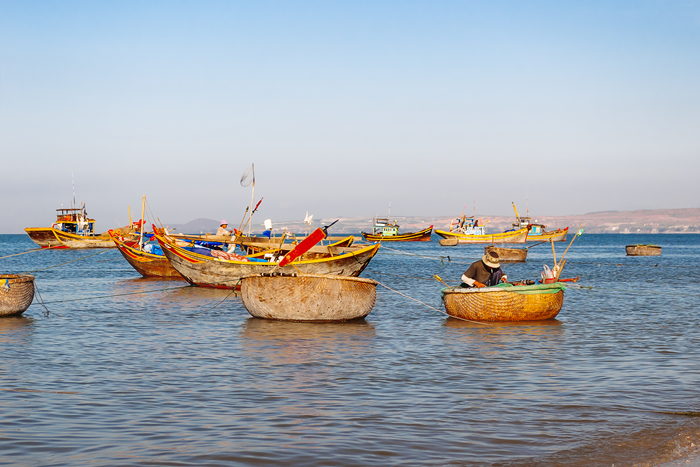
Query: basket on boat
643, 250
16, 293
308, 297
505, 302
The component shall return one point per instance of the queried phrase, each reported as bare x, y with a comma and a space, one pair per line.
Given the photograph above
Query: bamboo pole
561, 261
143, 213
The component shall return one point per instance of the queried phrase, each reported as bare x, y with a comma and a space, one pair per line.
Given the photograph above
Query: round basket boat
643, 250
16, 293
308, 297
508, 255
448, 241
505, 302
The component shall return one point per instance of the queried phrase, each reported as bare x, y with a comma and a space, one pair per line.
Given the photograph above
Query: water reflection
457, 323
292, 342
15, 329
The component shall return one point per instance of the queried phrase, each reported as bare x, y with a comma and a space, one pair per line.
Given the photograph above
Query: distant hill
641, 221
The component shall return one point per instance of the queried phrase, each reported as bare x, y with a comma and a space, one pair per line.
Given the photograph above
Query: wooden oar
306, 244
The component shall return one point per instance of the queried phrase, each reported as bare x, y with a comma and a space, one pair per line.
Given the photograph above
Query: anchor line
431, 307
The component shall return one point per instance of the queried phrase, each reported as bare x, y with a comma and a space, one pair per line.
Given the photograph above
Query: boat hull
16, 293
421, 236
502, 305
146, 264
643, 250
517, 236
308, 297
558, 235
508, 255
206, 271
43, 236
48, 237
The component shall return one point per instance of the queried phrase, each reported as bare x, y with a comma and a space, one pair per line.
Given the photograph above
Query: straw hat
491, 260
224, 222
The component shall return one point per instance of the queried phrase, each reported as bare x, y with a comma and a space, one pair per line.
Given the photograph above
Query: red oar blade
306, 244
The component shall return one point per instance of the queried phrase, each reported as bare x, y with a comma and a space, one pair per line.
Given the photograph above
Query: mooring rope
41, 299
67, 262
24, 252
117, 295
431, 307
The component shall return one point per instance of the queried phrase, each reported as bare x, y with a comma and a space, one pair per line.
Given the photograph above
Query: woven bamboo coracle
308, 297
502, 305
16, 293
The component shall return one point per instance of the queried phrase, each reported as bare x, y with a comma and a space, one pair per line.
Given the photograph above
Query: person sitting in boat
485, 272
222, 229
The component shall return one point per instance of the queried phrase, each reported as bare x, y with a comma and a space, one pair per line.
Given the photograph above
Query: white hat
224, 222
491, 259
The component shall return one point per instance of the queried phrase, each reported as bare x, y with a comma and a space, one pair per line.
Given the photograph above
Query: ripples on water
184, 376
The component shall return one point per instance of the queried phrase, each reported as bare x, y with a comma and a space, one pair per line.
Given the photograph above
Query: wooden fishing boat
538, 232
517, 236
384, 230
643, 250
199, 268
505, 302
253, 245
467, 230
508, 255
448, 242
147, 264
16, 293
308, 297
72, 229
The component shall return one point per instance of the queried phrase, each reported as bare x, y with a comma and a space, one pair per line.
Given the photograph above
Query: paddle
305, 245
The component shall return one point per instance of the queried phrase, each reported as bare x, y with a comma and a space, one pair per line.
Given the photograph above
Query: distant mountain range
623, 222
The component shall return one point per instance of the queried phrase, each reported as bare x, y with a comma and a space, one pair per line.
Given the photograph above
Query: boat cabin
75, 221
526, 222
382, 226
467, 226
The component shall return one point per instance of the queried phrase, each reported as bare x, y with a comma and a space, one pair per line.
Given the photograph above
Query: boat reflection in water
16, 330
284, 342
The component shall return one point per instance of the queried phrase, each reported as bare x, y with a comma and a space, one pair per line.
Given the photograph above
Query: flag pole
252, 195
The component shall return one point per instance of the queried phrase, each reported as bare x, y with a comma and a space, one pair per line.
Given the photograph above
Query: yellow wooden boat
516, 236
73, 229
224, 270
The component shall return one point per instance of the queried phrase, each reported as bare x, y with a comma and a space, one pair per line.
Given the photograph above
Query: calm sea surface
183, 376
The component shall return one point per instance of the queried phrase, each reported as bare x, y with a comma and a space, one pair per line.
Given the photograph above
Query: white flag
248, 176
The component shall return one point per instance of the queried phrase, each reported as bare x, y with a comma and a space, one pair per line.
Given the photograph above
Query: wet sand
690, 459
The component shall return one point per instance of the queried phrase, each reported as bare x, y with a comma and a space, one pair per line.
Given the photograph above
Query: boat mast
143, 211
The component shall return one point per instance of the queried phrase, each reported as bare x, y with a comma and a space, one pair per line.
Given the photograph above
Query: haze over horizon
569, 108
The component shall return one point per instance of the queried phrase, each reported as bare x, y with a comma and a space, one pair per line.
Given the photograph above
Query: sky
565, 107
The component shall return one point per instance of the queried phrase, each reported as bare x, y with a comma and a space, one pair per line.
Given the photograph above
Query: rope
432, 308
398, 275
118, 295
67, 262
24, 252
41, 300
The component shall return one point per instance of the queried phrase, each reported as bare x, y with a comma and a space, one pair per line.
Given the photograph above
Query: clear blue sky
574, 106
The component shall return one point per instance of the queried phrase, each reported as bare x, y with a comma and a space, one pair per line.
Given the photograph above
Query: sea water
121, 370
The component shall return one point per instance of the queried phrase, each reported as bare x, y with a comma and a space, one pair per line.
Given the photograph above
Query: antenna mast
73, 182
